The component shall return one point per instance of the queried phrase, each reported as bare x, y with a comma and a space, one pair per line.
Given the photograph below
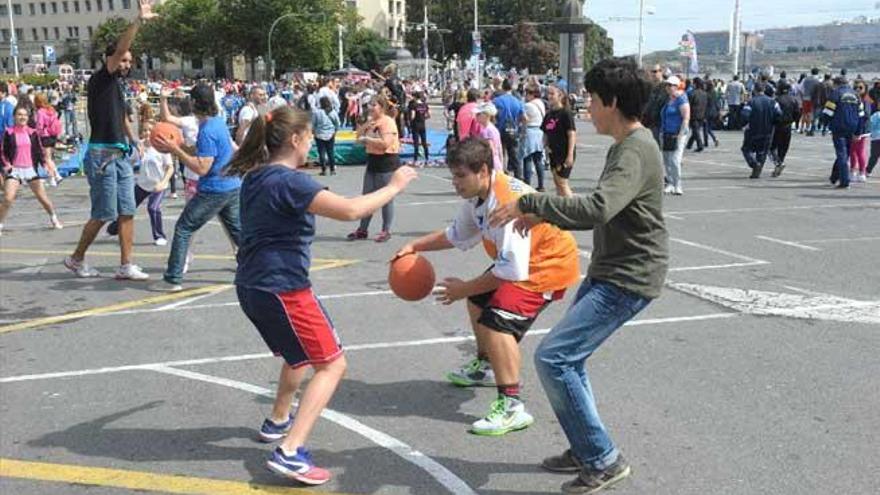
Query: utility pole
476, 40
425, 45
13, 41
641, 28
339, 29
735, 37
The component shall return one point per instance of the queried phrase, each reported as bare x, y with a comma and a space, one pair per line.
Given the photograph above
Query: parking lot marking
75, 315
225, 257
348, 348
787, 243
855, 206
138, 480
718, 251
445, 477
146, 301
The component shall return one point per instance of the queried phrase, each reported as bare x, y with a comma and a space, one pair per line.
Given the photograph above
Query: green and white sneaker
477, 373
506, 415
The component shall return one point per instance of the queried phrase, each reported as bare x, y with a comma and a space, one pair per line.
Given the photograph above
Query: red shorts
512, 309
293, 324
808, 108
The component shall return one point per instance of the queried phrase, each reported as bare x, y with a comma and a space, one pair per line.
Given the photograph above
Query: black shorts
512, 309
48, 141
557, 165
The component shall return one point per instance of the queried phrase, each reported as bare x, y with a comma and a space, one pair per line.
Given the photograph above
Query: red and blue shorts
293, 324
511, 309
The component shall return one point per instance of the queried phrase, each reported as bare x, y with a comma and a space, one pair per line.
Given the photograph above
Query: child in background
152, 181
278, 208
486, 113
48, 128
22, 155
325, 122
874, 125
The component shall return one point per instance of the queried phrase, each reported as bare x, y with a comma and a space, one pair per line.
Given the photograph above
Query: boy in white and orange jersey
528, 272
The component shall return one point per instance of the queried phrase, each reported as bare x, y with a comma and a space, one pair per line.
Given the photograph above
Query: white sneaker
678, 191
165, 286
668, 189
55, 223
80, 268
161, 241
506, 415
52, 182
476, 373
130, 272
862, 178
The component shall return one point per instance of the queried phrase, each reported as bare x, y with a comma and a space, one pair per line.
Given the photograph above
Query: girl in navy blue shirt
278, 208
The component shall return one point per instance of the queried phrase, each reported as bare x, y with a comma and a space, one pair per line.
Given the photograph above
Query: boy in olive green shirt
627, 269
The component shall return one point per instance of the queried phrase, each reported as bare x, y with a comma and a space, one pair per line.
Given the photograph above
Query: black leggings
419, 135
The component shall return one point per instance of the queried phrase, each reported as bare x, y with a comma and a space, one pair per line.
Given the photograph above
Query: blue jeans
111, 183
70, 125
202, 208
598, 310
840, 171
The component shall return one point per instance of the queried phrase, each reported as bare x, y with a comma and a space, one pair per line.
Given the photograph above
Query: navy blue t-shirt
276, 229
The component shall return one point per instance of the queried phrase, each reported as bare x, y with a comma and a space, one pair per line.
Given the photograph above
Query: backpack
848, 115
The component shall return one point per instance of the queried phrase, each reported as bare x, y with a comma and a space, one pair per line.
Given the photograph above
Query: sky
673, 17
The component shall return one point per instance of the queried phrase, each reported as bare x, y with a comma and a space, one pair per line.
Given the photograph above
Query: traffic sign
49, 53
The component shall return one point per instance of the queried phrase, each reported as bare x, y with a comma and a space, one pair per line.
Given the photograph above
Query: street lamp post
272, 29
641, 28
13, 41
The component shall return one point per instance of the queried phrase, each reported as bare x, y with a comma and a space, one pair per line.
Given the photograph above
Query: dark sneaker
383, 236
358, 235
297, 467
756, 172
591, 481
563, 463
271, 431
778, 170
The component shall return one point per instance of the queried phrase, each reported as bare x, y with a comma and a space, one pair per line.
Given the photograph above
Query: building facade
386, 17
66, 25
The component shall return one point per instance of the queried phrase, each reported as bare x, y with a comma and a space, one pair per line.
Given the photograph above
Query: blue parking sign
49, 54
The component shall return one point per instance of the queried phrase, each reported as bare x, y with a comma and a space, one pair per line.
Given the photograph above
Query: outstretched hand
145, 10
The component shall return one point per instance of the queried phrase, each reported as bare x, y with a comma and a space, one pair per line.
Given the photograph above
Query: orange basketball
411, 277
167, 130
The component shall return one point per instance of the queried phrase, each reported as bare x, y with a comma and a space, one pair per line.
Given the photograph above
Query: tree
524, 47
72, 52
107, 32
597, 46
365, 47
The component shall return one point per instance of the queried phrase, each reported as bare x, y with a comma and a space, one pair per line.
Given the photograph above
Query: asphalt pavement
755, 372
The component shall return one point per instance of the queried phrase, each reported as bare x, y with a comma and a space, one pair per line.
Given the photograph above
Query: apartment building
386, 17
68, 25
63, 24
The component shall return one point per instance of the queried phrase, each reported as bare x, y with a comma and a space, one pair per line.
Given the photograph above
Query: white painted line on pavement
855, 206
348, 348
787, 243
445, 477
718, 251
178, 304
841, 239
717, 267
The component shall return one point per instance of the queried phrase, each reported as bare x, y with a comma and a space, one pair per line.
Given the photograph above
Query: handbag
670, 142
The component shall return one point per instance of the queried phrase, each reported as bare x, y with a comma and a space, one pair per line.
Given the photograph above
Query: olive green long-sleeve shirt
630, 242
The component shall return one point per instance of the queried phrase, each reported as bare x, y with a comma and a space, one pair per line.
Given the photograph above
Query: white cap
487, 108
674, 81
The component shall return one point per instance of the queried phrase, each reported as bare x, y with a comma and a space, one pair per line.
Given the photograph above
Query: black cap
201, 92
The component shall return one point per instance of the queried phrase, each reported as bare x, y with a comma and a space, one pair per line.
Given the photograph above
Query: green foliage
107, 32
364, 48
72, 52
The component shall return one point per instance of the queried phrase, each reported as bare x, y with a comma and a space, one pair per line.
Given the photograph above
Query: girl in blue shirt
278, 207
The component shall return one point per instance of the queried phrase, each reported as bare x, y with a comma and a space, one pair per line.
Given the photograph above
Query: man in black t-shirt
107, 164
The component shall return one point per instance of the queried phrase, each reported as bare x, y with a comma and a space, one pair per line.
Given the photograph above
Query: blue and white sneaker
297, 467
271, 431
